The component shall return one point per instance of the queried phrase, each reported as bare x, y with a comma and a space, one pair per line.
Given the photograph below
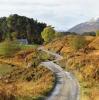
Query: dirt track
67, 87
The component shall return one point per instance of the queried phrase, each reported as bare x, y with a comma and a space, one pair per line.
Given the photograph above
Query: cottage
23, 41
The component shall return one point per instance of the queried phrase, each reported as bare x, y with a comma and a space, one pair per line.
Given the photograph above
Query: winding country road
67, 87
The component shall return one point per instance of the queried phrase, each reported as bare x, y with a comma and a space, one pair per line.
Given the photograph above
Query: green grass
8, 48
4, 68
25, 47
45, 56
29, 98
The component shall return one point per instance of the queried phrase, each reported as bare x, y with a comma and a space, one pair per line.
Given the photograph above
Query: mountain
89, 26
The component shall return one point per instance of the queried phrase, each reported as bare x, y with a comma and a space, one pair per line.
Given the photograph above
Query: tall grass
8, 48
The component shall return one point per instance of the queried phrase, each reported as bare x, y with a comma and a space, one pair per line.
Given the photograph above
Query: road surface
67, 87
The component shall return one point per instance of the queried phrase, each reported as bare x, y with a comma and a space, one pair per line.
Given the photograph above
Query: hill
89, 26
82, 62
21, 76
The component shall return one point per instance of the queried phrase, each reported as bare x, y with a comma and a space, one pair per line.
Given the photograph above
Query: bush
8, 48
97, 33
77, 42
89, 34
48, 34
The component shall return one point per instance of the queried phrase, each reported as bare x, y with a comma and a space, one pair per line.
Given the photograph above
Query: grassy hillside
21, 83
21, 77
11, 52
83, 62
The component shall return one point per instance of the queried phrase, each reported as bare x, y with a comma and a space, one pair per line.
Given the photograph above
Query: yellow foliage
41, 84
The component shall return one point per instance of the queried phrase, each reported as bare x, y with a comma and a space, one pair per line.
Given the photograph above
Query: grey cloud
24, 3
62, 14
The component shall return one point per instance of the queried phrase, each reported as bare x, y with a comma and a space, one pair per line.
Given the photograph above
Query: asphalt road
67, 87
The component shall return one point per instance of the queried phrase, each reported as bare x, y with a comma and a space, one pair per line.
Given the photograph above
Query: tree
89, 34
23, 27
48, 34
14, 35
97, 33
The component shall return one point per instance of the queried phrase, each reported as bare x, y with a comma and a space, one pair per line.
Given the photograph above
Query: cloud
62, 14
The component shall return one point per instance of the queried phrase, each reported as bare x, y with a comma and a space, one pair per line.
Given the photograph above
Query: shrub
48, 34
77, 42
8, 48
97, 33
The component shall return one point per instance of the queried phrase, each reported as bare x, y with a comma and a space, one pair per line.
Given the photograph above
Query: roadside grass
9, 48
25, 47
32, 83
27, 84
4, 68
45, 56
89, 87
89, 92
29, 98
83, 63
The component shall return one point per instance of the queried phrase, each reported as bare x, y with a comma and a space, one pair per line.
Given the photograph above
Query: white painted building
23, 41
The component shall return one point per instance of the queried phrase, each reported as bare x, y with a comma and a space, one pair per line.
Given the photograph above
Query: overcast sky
62, 14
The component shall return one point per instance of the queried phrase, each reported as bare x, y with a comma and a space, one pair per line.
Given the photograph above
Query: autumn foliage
83, 62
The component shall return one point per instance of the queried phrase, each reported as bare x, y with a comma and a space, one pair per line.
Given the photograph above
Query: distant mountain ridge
89, 26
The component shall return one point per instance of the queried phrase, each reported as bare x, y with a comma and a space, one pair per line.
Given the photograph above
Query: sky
61, 14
